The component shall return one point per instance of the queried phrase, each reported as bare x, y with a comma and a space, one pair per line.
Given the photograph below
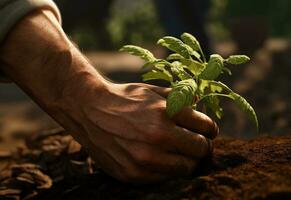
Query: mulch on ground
54, 166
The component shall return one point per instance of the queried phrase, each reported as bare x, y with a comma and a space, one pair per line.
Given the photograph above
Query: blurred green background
137, 21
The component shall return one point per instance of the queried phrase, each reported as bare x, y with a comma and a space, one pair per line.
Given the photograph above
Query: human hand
127, 132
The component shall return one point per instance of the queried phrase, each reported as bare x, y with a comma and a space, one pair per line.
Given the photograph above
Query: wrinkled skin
132, 139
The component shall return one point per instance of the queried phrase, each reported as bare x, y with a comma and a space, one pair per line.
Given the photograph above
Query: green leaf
237, 59
188, 62
158, 64
178, 69
207, 87
175, 56
193, 66
155, 74
175, 45
213, 68
213, 103
241, 103
246, 107
191, 41
140, 52
196, 68
225, 69
194, 44
182, 95
196, 55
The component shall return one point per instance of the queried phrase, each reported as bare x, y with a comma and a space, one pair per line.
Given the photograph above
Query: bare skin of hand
123, 126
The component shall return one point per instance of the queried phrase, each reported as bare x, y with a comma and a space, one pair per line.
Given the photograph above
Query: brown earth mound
53, 166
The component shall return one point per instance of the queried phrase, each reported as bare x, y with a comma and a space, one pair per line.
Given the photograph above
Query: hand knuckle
155, 134
161, 106
143, 157
159, 110
143, 90
158, 138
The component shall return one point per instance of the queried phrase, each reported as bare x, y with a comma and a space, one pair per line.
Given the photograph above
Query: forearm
39, 57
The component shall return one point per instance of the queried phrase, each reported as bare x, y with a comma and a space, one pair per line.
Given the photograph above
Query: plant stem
203, 56
213, 94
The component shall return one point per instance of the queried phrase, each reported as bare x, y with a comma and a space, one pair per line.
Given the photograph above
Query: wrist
66, 79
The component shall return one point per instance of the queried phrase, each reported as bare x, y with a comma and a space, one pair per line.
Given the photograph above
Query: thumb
162, 91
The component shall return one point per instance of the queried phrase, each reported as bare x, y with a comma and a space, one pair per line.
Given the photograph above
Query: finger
103, 160
162, 91
149, 156
127, 172
118, 163
189, 143
197, 122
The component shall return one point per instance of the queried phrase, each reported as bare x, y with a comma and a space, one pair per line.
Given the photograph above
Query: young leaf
214, 87
225, 69
246, 107
191, 41
178, 69
237, 59
158, 64
196, 68
206, 87
192, 65
155, 74
182, 95
213, 68
196, 55
175, 45
181, 65
213, 103
175, 56
240, 102
140, 52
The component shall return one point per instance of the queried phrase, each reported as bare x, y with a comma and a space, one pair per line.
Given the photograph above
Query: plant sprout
193, 79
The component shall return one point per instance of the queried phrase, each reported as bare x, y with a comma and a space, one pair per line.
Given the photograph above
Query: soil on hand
54, 166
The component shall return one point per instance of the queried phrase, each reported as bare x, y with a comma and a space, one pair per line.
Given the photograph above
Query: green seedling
193, 79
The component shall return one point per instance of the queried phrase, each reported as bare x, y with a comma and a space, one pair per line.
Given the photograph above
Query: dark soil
54, 166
